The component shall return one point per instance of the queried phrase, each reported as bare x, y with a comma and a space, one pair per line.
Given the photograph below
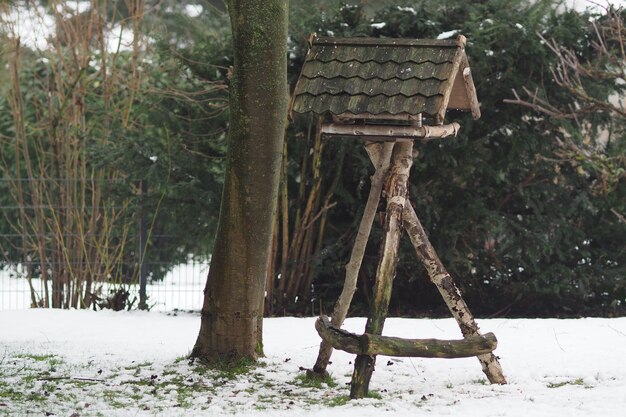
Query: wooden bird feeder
390, 93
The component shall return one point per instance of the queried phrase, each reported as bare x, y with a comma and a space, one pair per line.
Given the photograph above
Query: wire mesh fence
90, 248
180, 289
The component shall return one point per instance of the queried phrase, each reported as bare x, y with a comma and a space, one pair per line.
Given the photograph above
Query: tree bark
396, 191
371, 344
232, 311
391, 132
340, 311
449, 291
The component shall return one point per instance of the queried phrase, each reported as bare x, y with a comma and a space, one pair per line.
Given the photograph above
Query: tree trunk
396, 190
232, 312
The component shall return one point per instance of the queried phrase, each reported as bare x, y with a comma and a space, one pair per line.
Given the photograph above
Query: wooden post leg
448, 290
396, 191
340, 311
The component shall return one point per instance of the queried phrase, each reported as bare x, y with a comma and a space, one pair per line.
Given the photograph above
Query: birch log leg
396, 190
340, 311
448, 290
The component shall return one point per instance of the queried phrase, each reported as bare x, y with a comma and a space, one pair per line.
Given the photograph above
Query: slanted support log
340, 311
395, 192
448, 290
371, 344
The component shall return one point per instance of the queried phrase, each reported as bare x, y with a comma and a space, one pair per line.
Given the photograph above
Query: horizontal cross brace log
369, 344
390, 132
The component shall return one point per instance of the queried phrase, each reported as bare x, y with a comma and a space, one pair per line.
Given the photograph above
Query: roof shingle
381, 77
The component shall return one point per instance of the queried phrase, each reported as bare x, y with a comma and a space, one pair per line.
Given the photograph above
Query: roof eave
449, 84
470, 88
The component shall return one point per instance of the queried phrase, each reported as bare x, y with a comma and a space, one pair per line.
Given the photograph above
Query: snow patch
75, 7
32, 24
193, 10
447, 35
408, 9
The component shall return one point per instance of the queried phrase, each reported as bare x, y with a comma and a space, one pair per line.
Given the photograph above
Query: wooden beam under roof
390, 132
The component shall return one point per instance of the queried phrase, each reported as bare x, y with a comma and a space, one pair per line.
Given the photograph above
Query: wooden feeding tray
386, 89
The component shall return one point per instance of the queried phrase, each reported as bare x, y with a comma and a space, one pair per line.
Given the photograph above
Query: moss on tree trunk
232, 312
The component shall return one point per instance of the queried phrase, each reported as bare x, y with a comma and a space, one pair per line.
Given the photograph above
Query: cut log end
369, 344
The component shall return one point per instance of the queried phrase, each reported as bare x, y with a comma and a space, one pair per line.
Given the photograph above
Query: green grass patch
138, 366
338, 401
156, 386
185, 393
35, 396
110, 395
375, 395
144, 383
268, 399
79, 383
479, 381
36, 358
312, 380
577, 381
136, 396
227, 368
11, 394
48, 359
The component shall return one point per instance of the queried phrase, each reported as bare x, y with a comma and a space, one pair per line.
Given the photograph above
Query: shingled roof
385, 78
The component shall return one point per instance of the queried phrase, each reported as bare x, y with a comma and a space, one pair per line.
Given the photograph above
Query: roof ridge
430, 77
368, 41
341, 93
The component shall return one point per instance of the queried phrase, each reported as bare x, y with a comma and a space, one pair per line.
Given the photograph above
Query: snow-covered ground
134, 364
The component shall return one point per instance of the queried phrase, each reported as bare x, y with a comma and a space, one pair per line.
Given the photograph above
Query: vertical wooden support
340, 311
448, 290
396, 191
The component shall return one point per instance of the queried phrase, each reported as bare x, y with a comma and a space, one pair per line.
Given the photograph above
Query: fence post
142, 226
